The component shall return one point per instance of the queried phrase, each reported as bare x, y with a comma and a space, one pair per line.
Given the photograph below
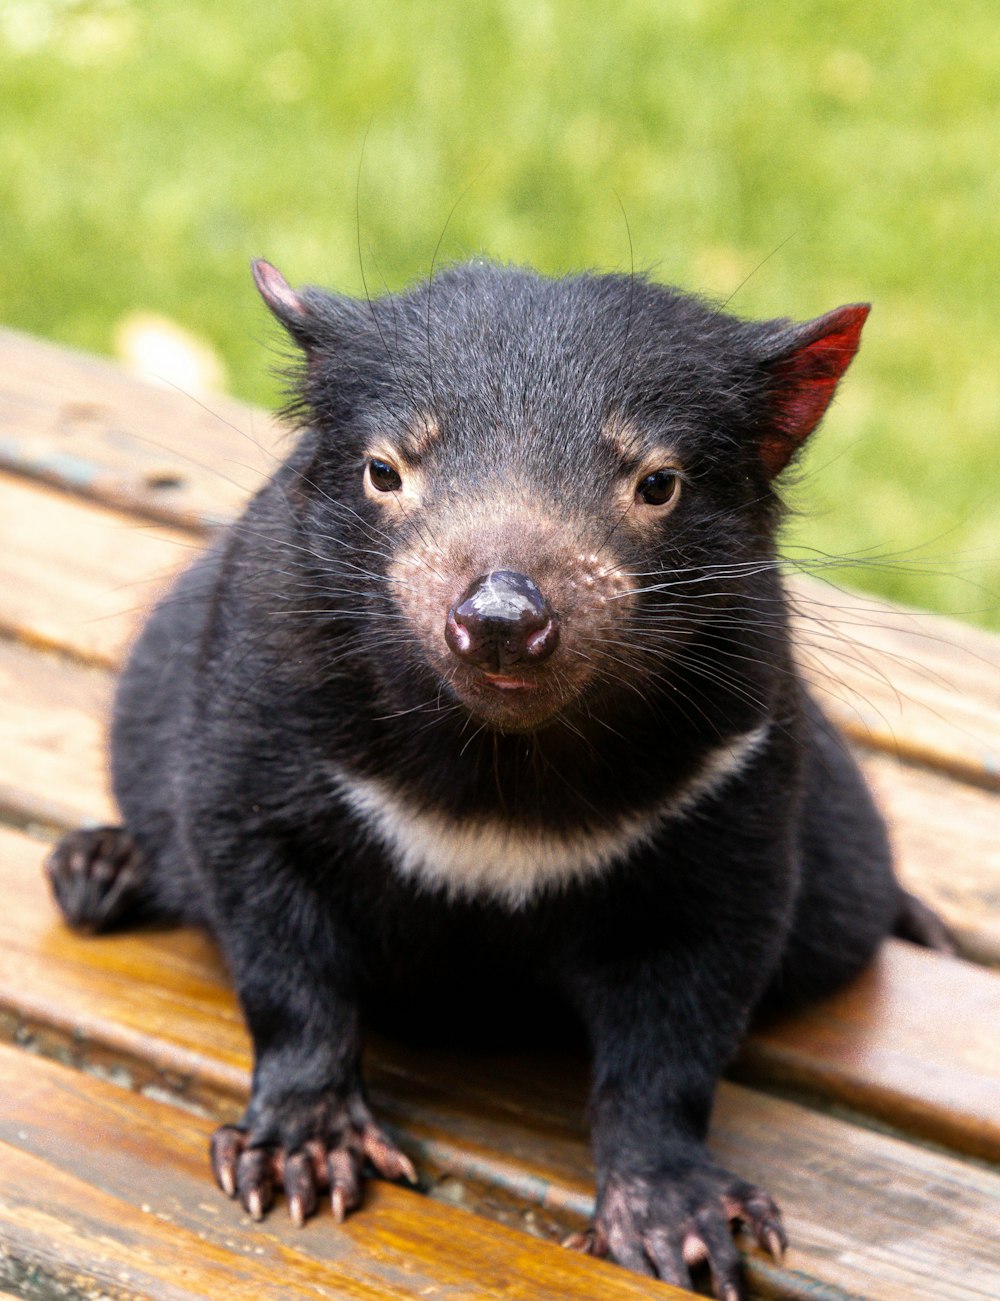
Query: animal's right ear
290, 308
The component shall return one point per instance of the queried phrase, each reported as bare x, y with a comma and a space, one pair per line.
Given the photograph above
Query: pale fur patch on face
510, 864
628, 443
420, 436
638, 458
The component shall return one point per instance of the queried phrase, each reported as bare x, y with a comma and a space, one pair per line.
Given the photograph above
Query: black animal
488, 702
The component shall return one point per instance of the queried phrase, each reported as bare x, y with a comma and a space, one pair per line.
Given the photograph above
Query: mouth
509, 701
507, 682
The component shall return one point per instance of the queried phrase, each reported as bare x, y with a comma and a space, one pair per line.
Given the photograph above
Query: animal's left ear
804, 369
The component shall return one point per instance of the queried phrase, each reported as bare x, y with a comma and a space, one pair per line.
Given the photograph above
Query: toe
300, 1187
715, 1245
760, 1213
345, 1182
255, 1181
227, 1144
385, 1156
627, 1249
662, 1249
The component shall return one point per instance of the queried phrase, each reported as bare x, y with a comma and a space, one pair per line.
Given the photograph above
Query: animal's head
540, 492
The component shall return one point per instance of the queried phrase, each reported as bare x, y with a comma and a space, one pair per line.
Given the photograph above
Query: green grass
794, 156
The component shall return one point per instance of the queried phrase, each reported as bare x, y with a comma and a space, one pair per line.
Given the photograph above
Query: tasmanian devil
488, 702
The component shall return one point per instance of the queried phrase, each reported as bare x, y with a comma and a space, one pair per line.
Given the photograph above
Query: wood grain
159, 1005
100, 1186
913, 1016
914, 1043
52, 738
920, 687
78, 577
87, 426
946, 838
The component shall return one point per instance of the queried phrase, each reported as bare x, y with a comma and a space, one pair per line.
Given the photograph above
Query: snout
502, 622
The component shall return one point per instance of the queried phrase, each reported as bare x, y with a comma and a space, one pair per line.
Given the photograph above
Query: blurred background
788, 158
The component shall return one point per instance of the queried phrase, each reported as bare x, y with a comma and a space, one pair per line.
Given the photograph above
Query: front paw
664, 1223
307, 1144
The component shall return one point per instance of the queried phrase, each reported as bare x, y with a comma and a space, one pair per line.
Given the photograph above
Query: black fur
287, 651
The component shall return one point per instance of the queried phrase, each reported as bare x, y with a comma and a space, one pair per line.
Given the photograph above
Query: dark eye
658, 488
383, 476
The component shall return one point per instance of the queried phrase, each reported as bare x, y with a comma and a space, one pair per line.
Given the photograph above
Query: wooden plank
101, 1187
52, 745
157, 996
924, 688
921, 687
863, 1209
913, 1016
823, 1064
78, 577
946, 838
85, 425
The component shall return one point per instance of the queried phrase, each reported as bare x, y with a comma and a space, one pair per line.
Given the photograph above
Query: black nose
502, 620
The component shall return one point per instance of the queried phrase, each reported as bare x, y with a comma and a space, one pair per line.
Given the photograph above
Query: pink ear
806, 376
280, 297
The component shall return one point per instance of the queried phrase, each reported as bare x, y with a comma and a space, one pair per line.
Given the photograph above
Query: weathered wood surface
912, 1016
856, 1201
53, 757
157, 1007
51, 696
926, 689
101, 1189
946, 837
77, 577
83, 424
920, 687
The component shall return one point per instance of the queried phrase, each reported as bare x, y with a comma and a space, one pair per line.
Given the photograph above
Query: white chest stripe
510, 863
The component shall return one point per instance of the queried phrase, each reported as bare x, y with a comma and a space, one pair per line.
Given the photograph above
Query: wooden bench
874, 1119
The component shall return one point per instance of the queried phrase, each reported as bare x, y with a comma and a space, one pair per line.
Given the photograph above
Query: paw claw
226, 1147
255, 1180
591, 1242
329, 1138
385, 1156
683, 1218
407, 1170
299, 1179
774, 1242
